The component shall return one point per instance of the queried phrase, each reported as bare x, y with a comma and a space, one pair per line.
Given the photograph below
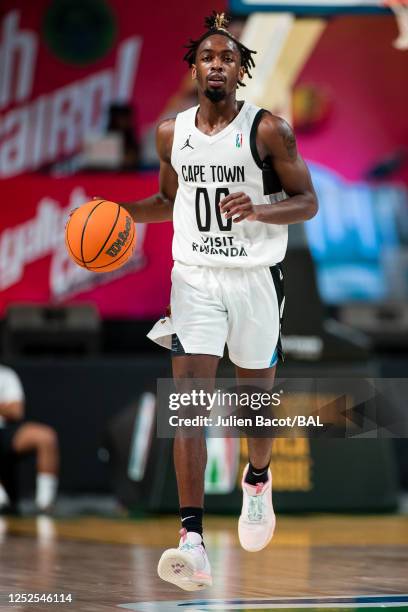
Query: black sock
192, 519
255, 475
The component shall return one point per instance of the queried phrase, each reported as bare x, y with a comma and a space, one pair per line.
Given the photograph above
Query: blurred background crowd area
83, 84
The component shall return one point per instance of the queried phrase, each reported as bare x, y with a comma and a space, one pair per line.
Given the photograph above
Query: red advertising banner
63, 62
34, 264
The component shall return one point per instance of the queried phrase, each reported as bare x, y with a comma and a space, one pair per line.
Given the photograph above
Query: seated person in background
121, 121
18, 438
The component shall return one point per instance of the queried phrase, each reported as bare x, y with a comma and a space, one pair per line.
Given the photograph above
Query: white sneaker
257, 521
187, 566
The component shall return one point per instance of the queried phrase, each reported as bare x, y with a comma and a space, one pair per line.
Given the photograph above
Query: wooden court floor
105, 563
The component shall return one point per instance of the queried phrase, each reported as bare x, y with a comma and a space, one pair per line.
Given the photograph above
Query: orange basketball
100, 236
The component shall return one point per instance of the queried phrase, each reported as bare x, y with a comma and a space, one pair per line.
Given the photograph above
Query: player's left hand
238, 204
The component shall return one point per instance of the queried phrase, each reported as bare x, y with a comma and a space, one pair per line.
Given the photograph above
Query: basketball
100, 236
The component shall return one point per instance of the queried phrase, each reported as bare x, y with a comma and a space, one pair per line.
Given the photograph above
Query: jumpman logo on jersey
187, 143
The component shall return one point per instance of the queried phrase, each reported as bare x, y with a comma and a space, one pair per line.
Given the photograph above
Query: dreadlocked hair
217, 23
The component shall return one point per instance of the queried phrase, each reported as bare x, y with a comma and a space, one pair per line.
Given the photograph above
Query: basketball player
231, 179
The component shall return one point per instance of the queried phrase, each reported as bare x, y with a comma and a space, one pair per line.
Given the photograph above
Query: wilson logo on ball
90, 229
121, 240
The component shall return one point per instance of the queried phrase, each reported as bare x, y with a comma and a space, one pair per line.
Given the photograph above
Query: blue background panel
320, 7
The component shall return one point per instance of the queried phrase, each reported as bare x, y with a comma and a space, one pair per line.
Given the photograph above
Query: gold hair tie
220, 21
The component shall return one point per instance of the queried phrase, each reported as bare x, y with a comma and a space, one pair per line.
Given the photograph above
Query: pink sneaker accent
259, 488
183, 534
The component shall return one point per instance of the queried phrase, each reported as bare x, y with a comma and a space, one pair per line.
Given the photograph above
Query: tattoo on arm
288, 139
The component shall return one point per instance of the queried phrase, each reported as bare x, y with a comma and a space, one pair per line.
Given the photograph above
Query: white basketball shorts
211, 307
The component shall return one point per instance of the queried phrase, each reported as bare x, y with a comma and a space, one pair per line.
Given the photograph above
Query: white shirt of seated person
11, 389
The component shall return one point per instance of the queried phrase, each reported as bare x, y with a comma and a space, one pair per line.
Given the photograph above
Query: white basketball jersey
209, 168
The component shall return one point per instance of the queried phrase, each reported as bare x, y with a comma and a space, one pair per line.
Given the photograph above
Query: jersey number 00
203, 213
